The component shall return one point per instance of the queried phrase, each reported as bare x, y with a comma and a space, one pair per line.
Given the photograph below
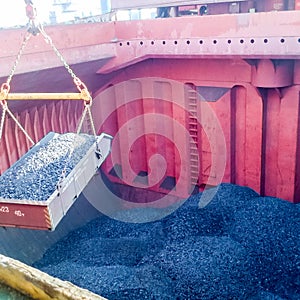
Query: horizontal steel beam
255, 47
135, 4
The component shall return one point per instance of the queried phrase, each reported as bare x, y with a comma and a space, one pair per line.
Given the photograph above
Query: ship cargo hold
196, 116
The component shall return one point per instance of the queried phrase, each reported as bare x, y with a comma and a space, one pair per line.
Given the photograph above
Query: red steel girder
238, 35
79, 43
247, 36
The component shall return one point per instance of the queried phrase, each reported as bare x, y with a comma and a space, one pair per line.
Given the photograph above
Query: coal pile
240, 246
280, 251
36, 174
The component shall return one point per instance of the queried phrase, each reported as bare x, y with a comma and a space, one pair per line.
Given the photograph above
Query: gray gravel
35, 175
240, 246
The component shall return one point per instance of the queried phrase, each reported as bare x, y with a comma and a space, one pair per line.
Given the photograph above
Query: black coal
240, 246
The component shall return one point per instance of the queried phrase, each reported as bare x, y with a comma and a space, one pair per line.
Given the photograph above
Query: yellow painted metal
47, 96
38, 285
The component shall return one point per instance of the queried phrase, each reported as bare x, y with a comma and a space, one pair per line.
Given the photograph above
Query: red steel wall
259, 123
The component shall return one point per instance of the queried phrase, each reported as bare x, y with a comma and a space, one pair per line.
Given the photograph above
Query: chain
79, 84
34, 30
81, 120
56, 51
87, 104
87, 110
84, 113
98, 151
13, 70
38, 28
92, 121
4, 109
20, 126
